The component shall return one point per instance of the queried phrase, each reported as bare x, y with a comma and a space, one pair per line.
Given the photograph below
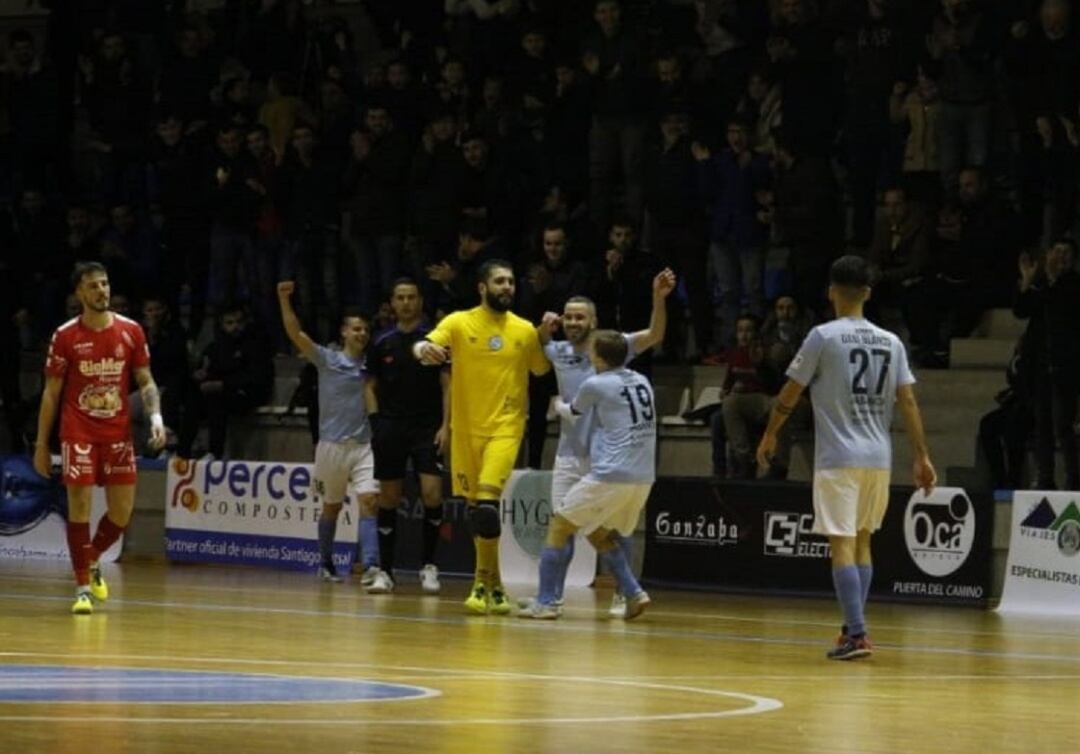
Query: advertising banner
1043, 570
33, 514
526, 511
758, 536
249, 512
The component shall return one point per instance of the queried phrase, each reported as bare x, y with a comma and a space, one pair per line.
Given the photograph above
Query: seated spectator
282, 111
747, 392
783, 332
235, 375
1049, 297
1004, 431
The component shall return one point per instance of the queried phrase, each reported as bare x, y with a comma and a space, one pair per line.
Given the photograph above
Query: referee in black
410, 418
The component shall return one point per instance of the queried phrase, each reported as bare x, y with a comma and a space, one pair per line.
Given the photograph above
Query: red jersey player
88, 372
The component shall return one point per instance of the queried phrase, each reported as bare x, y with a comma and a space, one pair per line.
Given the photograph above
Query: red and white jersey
96, 366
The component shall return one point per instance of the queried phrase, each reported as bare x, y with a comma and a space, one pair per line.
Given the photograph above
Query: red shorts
98, 463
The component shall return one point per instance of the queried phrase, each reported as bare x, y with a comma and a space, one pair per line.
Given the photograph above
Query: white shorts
847, 501
592, 505
343, 468
565, 473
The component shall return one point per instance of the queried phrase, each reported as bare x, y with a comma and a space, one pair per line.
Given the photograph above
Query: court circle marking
757, 705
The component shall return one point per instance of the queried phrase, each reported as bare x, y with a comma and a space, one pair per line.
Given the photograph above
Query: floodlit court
212, 659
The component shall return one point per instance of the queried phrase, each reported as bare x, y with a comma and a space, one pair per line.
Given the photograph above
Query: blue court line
517, 624
82, 684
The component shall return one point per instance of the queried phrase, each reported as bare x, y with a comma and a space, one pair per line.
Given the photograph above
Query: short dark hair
749, 317
610, 345
405, 280
582, 300
349, 312
622, 221
484, 272
552, 226
850, 271
82, 269
475, 227
258, 128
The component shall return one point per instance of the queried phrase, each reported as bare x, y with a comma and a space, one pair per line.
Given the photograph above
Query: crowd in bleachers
204, 150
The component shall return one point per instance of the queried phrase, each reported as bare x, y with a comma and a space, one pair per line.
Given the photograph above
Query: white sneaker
381, 583
524, 602
369, 575
636, 605
329, 574
618, 606
429, 579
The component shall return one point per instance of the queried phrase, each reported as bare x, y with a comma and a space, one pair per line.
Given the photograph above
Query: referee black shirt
405, 388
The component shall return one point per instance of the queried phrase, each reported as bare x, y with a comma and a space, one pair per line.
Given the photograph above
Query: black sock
387, 523
432, 524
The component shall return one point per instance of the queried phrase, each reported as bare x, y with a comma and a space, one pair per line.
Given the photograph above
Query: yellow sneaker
98, 588
500, 603
477, 601
83, 604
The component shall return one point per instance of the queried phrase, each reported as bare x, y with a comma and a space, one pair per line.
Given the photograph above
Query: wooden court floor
698, 673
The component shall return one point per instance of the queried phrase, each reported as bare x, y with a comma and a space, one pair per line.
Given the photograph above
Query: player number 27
860, 357
644, 400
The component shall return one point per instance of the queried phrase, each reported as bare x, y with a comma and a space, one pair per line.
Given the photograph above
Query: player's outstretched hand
549, 323
664, 283
42, 460
925, 476
285, 288
432, 354
766, 450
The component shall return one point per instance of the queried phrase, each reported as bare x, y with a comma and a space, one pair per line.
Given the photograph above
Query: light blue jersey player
607, 502
570, 360
344, 464
856, 373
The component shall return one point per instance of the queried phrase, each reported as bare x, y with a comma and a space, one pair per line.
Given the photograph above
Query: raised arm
663, 285
923, 471
151, 400
299, 338
786, 401
50, 402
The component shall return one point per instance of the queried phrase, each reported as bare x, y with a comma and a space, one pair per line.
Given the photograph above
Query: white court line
757, 705
599, 610
617, 628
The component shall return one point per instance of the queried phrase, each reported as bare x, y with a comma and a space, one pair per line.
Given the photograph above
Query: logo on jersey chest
107, 367
495, 342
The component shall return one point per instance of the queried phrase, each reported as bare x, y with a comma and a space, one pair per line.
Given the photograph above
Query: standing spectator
762, 108
961, 39
374, 183
732, 180
675, 221
187, 78
611, 57
404, 98
919, 110
553, 277
807, 218
282, 111
234, 204
567, 128
33, 99
235, 375
167, 342
622, 281
1050, 299
899, 257
1004, 431
477, 244
309, 184
433, 180
488, 189
271, 254
876, 60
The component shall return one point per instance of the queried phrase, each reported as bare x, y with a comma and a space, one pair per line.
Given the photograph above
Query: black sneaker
850, 648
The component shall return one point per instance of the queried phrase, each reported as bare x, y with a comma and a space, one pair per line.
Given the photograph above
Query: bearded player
88, 373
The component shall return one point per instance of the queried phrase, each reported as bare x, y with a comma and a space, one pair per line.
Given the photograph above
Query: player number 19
644, 400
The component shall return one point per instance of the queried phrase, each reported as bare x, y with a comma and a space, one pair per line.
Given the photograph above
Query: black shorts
397, 440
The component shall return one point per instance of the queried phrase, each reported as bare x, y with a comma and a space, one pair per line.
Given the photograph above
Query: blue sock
327, 531
849, 592
615, 560
567, 556
552, 572
369, 541
866, 575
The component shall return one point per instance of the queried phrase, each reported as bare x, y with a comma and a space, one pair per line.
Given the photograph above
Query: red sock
107, 533
78, 537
